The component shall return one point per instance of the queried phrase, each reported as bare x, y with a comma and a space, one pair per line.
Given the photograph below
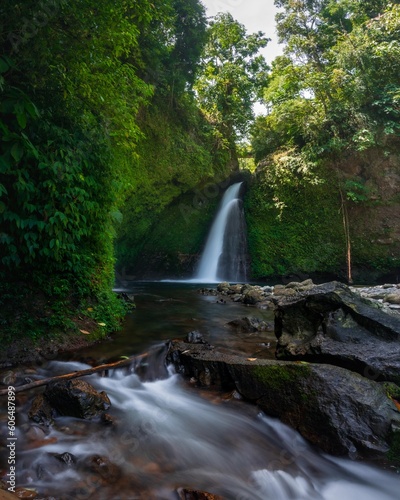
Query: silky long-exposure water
224, 255
167, 435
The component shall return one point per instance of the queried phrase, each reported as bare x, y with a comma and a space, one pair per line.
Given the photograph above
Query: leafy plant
356, 191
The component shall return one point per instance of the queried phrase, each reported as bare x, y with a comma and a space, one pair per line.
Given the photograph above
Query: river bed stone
76, 398
334, 408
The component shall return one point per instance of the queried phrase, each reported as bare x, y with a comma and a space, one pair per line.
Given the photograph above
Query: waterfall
224, 256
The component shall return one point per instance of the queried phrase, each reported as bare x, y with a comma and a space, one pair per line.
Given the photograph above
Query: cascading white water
223, 257
165, 436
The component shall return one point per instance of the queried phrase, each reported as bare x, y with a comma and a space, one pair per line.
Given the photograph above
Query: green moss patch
278, 376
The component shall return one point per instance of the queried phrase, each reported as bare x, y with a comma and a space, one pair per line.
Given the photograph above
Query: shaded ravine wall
177, 153
172, 246
305, 240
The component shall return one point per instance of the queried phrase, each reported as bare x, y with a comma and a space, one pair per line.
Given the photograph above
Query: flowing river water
167, 434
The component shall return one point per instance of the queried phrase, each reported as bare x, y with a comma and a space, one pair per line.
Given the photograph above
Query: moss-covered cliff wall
304, 236
172, 245
293, 231
300, 231
178, 182
373, 186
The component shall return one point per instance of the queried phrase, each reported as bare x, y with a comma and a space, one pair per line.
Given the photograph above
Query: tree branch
81, 373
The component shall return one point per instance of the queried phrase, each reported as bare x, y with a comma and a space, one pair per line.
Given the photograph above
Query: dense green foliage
75, 81
68, 104
179, 152
334, 93
336, 86
232, 76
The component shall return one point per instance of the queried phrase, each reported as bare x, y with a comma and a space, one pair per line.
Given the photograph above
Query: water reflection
171, 310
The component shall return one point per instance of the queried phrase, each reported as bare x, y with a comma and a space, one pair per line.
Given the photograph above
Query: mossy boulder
340, 411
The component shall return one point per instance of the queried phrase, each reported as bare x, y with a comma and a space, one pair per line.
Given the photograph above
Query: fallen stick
80, 373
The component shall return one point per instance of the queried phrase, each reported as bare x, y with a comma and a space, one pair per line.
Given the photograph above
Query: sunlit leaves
337, 86
233, 74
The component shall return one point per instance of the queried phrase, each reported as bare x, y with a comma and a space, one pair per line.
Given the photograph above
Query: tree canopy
336, 86
232, 76
334, 92
75, 79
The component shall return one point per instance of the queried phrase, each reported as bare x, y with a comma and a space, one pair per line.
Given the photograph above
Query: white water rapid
165, 436
223, 257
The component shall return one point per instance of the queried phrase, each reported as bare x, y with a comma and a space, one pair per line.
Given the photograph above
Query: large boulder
341, 411
76, 398
330, 324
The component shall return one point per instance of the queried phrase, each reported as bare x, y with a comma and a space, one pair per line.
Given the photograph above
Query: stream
167, 435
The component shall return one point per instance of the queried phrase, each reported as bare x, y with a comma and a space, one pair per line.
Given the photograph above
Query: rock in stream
330, 323
340, 411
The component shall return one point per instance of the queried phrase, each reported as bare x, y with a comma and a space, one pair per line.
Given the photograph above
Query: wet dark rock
265, 304
205, 377
76, 398
66, 458
235, 289
393, 298
195, 337
293, 284
107, 419
281, 291
41, 411
248, 294
127, 297
208, 291
223, 287
340, 411
24, 493
383, 297
6, 495
250, 324
331, 324
253, 296
300, 286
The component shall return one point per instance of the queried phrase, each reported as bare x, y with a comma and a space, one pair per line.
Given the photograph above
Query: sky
256, 15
